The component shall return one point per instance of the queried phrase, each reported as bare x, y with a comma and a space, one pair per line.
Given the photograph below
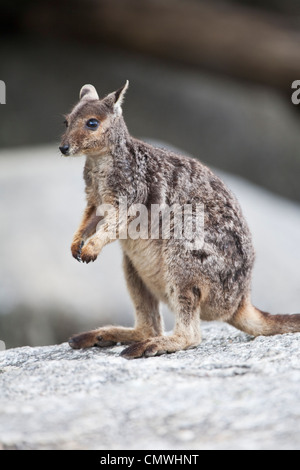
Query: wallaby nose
64, 149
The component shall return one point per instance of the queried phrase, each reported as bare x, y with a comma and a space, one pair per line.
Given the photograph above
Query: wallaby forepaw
87, 258
89, 253
76, 249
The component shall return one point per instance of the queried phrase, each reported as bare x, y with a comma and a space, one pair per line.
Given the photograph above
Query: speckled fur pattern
211, 283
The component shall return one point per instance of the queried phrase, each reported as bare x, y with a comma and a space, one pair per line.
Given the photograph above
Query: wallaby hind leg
148, 320
186, 333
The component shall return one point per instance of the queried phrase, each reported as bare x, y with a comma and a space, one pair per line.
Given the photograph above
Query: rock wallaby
210, 281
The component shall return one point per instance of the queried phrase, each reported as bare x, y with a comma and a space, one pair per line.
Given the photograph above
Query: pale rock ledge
232, 392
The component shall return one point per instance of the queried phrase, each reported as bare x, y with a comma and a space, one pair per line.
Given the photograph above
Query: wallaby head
90, 125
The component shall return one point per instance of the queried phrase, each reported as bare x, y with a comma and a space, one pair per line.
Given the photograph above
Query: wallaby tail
253, 321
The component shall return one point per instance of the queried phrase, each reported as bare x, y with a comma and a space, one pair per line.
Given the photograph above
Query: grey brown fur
211, 283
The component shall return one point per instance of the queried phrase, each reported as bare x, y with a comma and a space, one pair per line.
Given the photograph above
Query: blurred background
211, 77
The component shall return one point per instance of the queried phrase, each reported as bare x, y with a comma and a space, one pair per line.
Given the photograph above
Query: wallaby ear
116, 98
88, 92
120, 94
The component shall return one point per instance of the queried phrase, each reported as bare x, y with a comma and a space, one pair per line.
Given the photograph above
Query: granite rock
231, 392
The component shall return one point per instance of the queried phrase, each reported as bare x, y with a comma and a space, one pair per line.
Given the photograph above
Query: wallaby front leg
86, 228
106, 232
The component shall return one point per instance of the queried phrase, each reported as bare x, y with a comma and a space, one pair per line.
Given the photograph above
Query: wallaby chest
96, 173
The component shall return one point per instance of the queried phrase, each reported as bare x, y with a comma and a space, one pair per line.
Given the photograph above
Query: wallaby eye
66, 123
92, 124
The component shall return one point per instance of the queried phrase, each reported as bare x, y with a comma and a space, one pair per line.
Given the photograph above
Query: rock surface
232, 392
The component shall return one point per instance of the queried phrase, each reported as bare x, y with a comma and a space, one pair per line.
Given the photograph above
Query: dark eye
92, 124
66, 123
